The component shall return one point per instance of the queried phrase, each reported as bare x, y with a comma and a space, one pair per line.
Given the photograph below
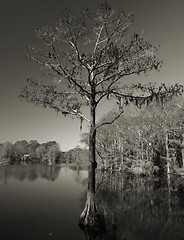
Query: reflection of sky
34, 209
162, 21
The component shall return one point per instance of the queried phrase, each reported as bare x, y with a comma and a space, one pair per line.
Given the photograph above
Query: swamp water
41, 202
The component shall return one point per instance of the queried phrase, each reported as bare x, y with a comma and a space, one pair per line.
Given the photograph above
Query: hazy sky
162, 20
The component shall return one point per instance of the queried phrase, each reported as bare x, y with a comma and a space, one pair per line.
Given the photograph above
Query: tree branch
110, 122
57, 66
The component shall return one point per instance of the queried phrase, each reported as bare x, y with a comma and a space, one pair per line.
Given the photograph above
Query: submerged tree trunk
90, 216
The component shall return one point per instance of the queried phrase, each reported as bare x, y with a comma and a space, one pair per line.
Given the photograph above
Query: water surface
42, 202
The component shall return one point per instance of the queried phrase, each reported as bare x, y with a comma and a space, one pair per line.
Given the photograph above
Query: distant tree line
32, 152
77, 155
23, 152
146, 140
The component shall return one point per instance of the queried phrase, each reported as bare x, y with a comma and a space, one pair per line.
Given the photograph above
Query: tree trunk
182, 150
168, 172
121, 157
90, 216
167, 154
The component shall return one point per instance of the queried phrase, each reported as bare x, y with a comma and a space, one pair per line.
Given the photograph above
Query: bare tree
87, 57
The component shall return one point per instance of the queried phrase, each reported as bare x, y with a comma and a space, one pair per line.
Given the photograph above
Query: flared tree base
90, 217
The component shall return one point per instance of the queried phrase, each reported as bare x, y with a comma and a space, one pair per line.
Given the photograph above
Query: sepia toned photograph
92, 120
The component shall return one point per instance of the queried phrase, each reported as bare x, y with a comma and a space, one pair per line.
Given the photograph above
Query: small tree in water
87, 57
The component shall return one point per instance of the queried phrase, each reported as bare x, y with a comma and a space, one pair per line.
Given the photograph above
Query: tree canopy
87, 56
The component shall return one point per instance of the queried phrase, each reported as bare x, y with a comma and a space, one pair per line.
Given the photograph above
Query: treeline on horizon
23, 152
143, 140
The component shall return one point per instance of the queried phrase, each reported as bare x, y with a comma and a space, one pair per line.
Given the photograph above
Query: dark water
41, 202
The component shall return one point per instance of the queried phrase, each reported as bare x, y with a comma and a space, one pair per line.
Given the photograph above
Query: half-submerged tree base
90, 217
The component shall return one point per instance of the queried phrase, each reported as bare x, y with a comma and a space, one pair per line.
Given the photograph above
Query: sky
162, 20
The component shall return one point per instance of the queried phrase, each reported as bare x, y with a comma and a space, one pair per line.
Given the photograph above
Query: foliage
32, 152
6, 151
77, 155
136, 141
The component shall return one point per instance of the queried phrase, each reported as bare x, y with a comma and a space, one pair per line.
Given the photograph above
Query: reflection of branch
110, 122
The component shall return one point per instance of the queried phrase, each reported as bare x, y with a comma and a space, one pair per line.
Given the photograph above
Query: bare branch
98, 38
67, 103
110, 122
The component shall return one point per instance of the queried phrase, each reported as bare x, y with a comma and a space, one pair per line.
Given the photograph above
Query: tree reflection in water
133, 207
29, 172
139, 208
